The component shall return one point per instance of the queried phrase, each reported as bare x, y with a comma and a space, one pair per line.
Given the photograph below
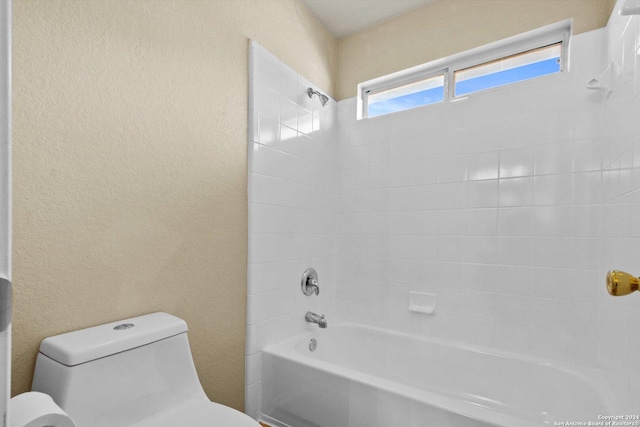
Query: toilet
136, 372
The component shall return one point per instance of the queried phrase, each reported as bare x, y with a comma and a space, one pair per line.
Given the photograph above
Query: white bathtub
362, 376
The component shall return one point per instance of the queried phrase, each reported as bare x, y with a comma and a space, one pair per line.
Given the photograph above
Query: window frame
559, 32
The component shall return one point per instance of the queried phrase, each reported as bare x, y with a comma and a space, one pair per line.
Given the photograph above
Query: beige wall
130, 163
445, 27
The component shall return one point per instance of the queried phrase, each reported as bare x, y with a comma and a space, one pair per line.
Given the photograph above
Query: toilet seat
202, 413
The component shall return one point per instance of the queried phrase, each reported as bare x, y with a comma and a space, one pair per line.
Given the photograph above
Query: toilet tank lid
85, 345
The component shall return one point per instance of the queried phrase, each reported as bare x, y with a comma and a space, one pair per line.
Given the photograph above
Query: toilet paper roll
34, 409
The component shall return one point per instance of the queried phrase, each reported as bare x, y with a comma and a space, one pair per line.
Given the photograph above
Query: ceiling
346, 17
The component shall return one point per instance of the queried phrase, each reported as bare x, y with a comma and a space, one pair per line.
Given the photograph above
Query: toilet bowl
137, 372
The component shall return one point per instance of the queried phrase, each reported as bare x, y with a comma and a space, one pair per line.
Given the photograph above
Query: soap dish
422, 302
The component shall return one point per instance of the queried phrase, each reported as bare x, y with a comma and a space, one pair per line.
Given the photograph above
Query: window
409, 95
530, 55
515, 68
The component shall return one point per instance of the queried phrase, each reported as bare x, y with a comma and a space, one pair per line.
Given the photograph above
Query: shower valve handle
309, 282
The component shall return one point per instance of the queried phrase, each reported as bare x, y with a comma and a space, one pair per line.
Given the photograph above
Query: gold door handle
620, 283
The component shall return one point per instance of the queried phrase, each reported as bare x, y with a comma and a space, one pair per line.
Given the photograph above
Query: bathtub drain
313, 344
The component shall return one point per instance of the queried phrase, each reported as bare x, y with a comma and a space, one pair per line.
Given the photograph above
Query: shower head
323, 98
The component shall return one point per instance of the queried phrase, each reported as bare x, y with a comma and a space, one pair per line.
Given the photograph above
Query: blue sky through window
406, 102
506, 77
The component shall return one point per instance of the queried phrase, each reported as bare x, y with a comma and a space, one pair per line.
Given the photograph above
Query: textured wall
446, 27
5, 193
130, 166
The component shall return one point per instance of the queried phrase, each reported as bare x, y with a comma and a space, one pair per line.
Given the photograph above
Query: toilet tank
121, 373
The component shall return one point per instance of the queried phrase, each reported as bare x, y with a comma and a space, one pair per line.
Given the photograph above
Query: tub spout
314, 318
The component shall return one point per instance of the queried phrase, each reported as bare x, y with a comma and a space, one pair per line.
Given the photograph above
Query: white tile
253, 368
480, 305
548, 313
587, 187
253, 402
552, 252
452, 195
481, 249
587, 155
427, 197
514, 280
452, 222
589, 123
399, 175
269, 70
452, 115
288, 137
451, 248
549, 344
268, 130
553, 283
379, 153
517, 162
288, 114
482, 194
452, 169
580, 318
553, 221
252, 131
483, 166
553, 189
585, 253
448, 143
288, 83
451, 301
480, 277
512, 309
481, 222
585, 221
305, 121
515, 251
554, 158
515, 221
426, 171
516, 191
268, 102
354, 157
485, 137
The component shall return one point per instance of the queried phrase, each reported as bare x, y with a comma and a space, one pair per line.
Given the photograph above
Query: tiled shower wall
510, 206
491, 203
292, 207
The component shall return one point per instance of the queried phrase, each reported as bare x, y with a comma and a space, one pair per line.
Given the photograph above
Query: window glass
511, 69
404, 97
